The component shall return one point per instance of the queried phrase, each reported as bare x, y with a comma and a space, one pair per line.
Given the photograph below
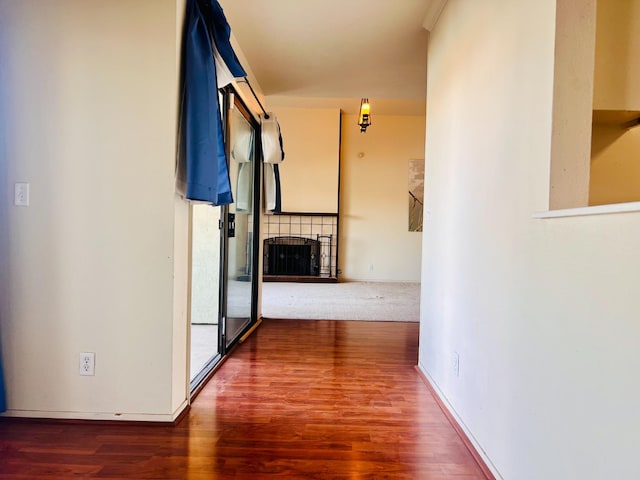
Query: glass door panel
239, 228
223, 281
205, 289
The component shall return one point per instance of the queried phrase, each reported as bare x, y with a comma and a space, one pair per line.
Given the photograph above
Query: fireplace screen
291, 256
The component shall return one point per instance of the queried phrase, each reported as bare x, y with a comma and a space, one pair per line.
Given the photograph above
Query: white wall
375, 242
89, 95
543, 313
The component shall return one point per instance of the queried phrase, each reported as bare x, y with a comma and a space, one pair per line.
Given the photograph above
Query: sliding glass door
240, 291
224, 252
205, 289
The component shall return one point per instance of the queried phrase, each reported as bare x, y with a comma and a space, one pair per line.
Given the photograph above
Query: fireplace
303, 243
295, 256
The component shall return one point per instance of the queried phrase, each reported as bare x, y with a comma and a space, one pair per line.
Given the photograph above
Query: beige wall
375, 242
617, 63
615, 151
181, 241
572, 103
89, 118
615, 165
542, 312
309, 176
596, 68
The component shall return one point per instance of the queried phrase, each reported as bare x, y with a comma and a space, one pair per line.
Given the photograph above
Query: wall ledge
587, 211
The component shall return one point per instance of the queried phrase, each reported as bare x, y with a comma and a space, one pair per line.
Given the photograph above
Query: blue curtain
221, 32
202, 161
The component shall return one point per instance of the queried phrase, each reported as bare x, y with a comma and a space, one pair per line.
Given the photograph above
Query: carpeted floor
381, 301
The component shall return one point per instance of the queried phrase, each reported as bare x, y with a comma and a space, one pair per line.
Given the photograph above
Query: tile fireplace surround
315, 226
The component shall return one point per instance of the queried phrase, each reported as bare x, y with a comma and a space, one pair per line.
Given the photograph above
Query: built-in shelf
613, 208
622, 118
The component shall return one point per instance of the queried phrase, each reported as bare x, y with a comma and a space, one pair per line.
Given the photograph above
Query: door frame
231, 98
233, 101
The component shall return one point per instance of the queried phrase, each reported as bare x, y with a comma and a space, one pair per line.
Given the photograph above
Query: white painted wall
88, 99
543, 313
375, 242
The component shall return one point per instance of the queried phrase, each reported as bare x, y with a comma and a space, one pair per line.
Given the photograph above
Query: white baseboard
452, 412
132, 417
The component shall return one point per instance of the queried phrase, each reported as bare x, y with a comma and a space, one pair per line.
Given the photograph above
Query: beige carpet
380, 301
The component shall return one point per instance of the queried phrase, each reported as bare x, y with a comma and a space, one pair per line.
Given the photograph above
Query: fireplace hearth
295, 256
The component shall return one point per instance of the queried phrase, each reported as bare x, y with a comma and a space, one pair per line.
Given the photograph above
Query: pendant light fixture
364, 119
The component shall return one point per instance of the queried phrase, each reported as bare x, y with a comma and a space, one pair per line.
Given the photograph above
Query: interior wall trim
251, 330
98, 418
486, 471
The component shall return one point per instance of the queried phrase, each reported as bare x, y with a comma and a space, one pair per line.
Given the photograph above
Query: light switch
21, 195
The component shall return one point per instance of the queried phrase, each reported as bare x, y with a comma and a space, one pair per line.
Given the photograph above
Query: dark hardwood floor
299, 399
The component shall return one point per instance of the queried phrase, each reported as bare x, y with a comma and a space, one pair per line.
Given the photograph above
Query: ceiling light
364, 119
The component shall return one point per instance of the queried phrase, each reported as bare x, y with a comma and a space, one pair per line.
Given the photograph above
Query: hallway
299, 399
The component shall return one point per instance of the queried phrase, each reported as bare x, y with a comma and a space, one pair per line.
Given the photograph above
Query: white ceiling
332, 52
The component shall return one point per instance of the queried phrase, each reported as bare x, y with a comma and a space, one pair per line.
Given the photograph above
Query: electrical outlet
87, 363
371, 267
21, 195
455, 364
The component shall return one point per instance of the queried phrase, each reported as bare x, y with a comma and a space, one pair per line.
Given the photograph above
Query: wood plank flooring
298, 400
